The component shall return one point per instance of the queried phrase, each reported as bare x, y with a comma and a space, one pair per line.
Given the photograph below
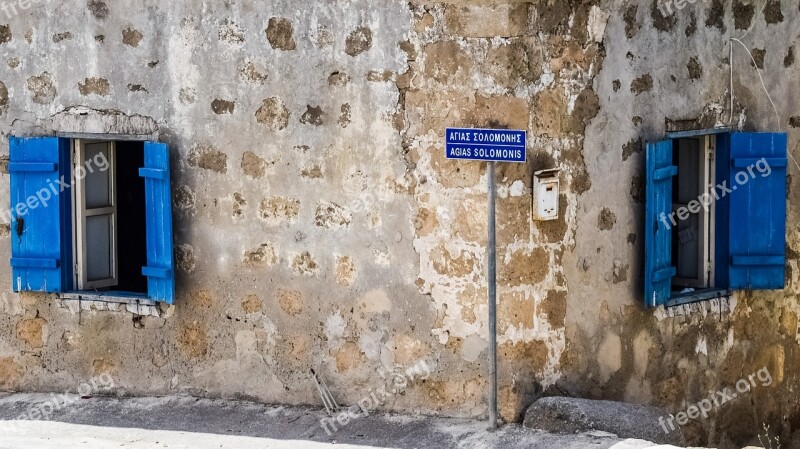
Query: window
715, 216
91, 216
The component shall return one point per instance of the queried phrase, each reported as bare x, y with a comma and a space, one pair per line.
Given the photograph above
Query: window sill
697, 296
113, 297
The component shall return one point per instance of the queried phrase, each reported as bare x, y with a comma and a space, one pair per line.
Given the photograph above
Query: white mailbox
545, 194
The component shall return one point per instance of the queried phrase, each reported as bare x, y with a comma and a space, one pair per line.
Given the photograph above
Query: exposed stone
32, 331
279, 34
425, 222
359, 41
96, 86
273, 113
98, 8
264, 255
5, 34
521, 267
338, 79
65, 36
184, 258
637, 190
208, 157
789, 59
642, 84
347, 357
42, 88
252, 73
3, 97
222, 106
620, 272
279, 209
443, 60
606, 220
691, 28
661, 21
715, 15
187, 95
103, 366
758, 55
695, 69
631, 148
291, 302
632, 26
10, 373
344, 118
193, 341
487, 20
379, 76
253, 165
239, 204
313, 172
554, 307
184, 198
330, 215
572, 415
345, 272
305, 265
743, 14
131, 37
551, 106
456, 265
313, 116
136, 88
772, 12
230, 32
252, 304
516, 62
514, 310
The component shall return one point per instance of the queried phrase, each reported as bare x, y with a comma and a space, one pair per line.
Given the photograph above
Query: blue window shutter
757, 222
160, 269
38, 210
658, 271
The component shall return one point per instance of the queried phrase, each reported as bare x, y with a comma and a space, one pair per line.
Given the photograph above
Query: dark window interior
685, 188
131, 224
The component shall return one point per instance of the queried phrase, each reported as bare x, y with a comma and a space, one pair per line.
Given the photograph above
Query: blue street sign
501, 145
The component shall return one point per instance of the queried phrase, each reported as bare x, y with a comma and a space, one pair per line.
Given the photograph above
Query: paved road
180, 422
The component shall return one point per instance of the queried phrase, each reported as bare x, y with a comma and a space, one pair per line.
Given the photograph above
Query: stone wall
319, 226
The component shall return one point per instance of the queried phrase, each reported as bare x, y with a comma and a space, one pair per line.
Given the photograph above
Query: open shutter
160, 270
757, 222
39, 242
658, 270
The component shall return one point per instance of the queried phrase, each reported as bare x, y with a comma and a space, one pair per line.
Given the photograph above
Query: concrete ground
66, 421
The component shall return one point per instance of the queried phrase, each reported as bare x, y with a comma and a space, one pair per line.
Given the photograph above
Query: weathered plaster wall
318, 225
670, 74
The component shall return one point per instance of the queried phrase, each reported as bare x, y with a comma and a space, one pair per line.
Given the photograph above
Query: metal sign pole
490, 145
492, 279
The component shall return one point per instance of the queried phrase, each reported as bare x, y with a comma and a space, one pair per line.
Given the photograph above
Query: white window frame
80, 213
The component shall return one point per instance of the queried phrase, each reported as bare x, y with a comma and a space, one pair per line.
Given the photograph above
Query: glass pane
98, 247
689, 169
98, 186
686, 243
